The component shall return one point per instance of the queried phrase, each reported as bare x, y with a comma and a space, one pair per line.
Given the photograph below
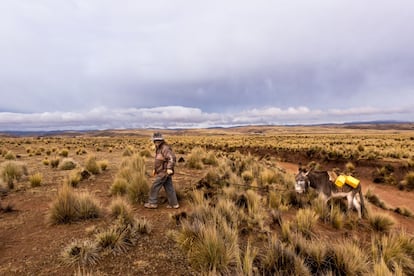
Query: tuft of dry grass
195, 158
279, 259
112, 240
396, 250
10, 156
374, 199
69, 207
12, 171
35, 179
247, 261
73, 179
120, 209
80, 253
348, 258
131, 179
67, 164
314, 253
88, 207
305, 221
92, 165
381, 222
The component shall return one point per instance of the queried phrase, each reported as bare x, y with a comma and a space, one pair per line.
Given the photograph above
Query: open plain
251, 167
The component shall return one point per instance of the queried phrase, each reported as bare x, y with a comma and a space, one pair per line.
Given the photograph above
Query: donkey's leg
357, 206
349, 198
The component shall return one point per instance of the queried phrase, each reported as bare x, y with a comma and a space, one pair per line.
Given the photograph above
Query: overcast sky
80, 64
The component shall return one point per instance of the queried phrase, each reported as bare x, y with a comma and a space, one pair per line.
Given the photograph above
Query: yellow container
352, 181
340, 181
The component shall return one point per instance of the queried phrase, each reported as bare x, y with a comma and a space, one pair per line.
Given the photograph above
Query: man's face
157, 143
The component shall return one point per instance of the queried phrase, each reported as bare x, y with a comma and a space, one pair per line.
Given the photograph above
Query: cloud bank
70, 63
185, 117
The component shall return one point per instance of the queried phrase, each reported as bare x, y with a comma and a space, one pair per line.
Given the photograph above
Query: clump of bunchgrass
10, 155
195, 158
279, 259
113, 240
46, 161
337, 217
132, 179
314, 253
67, 164
81, 253
214, 251
210, 159
64, 153
92, 165
396, 250
120, 209
70, 206
404, 211
35, 179
119, 186
248, 258
103, 164
12, 171
408, 181
381, 222
305, 221
74, 179
54, 163
88, 206
348, 258
374, 199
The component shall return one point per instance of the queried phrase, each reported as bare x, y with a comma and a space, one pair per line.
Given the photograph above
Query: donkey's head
302, 181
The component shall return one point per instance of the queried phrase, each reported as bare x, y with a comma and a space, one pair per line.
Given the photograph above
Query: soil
30, 246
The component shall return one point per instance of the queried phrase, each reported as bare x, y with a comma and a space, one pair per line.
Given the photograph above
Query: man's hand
170, 172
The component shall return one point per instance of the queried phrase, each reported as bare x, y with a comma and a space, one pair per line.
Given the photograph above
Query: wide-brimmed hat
157, 137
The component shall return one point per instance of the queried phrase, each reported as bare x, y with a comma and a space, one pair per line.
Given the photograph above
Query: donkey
320, 181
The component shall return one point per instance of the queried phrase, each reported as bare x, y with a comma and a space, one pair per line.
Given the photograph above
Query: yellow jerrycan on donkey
346, 179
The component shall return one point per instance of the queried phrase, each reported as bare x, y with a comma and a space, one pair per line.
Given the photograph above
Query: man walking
163, 172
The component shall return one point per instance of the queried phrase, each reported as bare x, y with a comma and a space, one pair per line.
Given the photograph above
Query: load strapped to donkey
342, 179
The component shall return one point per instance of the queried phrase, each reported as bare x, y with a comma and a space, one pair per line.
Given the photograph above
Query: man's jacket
164, 159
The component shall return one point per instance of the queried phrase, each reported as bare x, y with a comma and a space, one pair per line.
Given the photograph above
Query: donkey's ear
300, 167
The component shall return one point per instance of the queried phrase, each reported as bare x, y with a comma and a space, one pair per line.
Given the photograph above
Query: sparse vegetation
239, 214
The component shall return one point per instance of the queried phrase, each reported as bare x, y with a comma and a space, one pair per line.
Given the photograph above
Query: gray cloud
185, 117
223, 59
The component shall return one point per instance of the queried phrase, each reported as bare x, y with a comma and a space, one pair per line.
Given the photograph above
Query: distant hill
252, 129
